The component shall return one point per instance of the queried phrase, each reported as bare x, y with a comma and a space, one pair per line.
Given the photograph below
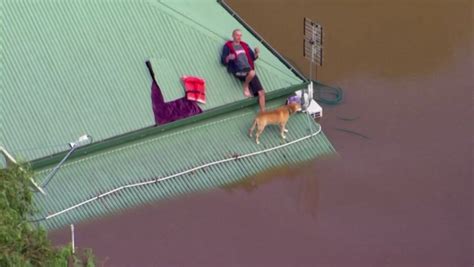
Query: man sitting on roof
239, 59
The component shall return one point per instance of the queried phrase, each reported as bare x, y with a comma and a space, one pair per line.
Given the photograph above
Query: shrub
21, 243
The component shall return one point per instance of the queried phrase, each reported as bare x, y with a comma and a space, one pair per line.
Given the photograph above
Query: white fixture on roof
309, 104
84, 139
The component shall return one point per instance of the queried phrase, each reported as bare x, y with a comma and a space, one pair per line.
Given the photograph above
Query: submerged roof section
75, 67
81, 189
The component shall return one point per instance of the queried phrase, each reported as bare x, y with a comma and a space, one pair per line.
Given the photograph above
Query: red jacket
229, 48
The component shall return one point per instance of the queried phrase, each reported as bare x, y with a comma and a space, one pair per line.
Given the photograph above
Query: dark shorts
254, 85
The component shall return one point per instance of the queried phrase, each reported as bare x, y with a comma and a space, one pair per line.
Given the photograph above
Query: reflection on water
251, 183
302, 180
305, 195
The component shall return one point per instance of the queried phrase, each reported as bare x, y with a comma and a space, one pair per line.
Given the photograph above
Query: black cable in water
348, 119
353, 132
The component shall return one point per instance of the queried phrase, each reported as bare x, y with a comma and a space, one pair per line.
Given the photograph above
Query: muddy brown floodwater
401, 198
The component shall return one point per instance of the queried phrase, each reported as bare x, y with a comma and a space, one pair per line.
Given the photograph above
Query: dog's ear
297, 108
290, 108
293, 107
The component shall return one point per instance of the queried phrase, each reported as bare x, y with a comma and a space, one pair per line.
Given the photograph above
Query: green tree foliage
21, 243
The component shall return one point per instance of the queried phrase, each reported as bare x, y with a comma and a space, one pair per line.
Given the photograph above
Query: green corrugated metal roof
75, 67
169, 153
69, 68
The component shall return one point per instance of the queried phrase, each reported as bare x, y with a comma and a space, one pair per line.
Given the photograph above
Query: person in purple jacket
239, 59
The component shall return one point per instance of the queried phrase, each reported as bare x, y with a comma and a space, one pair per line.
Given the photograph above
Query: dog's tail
252, 128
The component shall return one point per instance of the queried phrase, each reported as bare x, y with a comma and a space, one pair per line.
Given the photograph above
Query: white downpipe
72, 239
182, 173
310, 91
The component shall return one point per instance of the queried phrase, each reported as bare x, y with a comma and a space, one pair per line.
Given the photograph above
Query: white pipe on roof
182, 173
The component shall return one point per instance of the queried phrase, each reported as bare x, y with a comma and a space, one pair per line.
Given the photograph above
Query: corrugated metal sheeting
75, 67
170, 153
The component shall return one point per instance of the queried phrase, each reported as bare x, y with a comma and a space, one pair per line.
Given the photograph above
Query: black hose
327, 95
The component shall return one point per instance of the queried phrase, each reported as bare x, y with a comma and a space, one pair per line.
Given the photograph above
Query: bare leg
247, 81
261, 99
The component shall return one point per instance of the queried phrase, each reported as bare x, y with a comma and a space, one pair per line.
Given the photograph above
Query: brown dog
277, 116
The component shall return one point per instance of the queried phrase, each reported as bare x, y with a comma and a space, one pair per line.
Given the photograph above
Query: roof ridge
122, 139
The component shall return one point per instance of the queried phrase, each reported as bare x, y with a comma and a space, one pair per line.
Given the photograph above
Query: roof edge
118, 140
234, 14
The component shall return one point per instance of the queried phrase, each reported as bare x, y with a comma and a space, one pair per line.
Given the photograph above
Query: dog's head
294, 107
